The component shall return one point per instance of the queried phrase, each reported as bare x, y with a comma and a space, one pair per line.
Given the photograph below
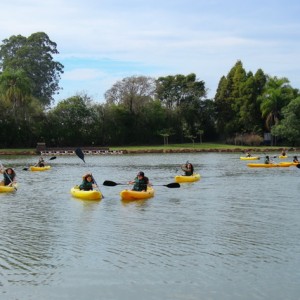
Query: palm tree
15, 88
277, 94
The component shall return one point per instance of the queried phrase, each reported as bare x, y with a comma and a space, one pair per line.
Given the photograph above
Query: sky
101, 42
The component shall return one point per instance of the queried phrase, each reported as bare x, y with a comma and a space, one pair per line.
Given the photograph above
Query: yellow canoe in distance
34, 168
183, 178
289, 163
249, 158
268, 165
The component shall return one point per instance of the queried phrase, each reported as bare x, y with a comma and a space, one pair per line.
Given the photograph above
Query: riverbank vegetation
249, 109
171, 148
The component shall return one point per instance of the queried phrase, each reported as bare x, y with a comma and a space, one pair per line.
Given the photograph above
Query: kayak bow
137, 195
85, 195
184, 178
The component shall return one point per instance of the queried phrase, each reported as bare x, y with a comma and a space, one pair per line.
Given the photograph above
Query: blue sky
103, 41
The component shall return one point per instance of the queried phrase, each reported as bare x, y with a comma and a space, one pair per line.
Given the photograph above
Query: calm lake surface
235, 234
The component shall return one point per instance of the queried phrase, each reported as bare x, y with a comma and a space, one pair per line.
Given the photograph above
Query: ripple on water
235, 229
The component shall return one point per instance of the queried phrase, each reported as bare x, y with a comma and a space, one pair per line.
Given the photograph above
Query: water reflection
234, 229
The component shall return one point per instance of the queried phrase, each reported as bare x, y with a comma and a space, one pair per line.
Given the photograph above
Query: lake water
235, 234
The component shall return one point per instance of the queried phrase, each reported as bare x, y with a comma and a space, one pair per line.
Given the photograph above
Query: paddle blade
80, 154
25, 169
298, 166
172, 185
53, 157
109, 183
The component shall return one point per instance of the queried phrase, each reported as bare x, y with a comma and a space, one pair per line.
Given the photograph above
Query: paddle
51, 158
298, 166
170, 185
80, 154
95, 182
2, 167
274, 156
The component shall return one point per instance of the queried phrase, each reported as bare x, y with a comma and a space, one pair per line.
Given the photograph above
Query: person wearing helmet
140, 182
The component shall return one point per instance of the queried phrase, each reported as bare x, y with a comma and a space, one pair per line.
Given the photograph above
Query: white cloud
101, 41
82, 74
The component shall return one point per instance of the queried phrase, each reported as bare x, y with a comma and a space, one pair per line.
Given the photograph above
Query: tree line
138, 110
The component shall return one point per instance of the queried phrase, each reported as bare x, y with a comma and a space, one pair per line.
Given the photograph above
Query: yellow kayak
249, 158
289, 163
136, 195
8, 189
268, 165
283, 156
33, 168
85, 195
183, 178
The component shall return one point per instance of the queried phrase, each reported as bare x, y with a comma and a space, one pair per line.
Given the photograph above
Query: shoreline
145, 151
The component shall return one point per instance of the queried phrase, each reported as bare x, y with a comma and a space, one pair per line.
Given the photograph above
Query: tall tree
133, 92
229, 101
73, 120
173, 91
183, 96
250, 118
15, 89
289, 127
34, 55
237, 103
22, 114
277, 94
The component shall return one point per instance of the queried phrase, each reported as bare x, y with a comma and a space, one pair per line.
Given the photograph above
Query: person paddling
188, 169
248, 154
9, 177
41, 162
87, 182
140, 182
268, 160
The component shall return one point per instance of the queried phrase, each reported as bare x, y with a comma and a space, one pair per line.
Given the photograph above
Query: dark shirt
86, 185
8, 178
188, 170
140, 184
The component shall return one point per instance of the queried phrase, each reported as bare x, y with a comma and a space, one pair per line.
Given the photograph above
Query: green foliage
276, 94
173, 91
289, 127
33, 55
230, 99
183, 96
70, 121
132, 92
15, 89
120, 125
138, 109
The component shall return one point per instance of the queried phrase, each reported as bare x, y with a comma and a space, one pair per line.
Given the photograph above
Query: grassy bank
8, 151
197, 147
